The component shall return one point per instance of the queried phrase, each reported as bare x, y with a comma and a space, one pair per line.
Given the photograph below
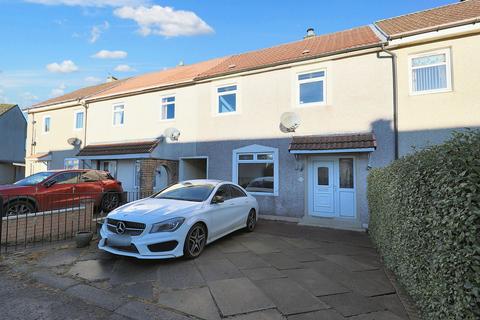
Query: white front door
332, 187
323, 188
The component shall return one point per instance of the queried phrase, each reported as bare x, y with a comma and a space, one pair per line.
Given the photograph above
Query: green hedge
425, 221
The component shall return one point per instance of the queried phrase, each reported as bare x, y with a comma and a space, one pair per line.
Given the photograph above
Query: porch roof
353, 142
122, 148
45, 156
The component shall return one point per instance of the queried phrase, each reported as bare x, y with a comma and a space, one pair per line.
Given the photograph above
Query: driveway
280, 271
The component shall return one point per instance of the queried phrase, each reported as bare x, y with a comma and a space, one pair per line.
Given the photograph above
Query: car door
89, 186
57, 192
220, 213
240, 205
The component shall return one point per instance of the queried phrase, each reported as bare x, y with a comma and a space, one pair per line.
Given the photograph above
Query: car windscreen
187, 192
34, 179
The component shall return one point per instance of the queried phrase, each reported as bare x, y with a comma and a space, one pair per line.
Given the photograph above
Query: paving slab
302, 255
92, 270
302, 243
318, 315
97, 297
351, 304
259, 247
141, 311
230, 246
369, 283
392, 303
143, 290
130, 270
53, 280
196, 301
317, 284
218, 269
329, 269
348, 263
381, 315
60, 258
179, 274
271, 314
263, 273
211, 252
247, 260
281, 261
236, 296
289, 296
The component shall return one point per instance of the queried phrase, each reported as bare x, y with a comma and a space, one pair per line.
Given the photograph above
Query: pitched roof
78, 94
432, 19
177, 75
333, 142
136, 147
308, 48
6, 107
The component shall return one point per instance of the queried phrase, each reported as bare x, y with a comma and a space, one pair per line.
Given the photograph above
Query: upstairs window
430, 72
47, 124
227, 99
118, 115
79, 119
168, 108
311, 88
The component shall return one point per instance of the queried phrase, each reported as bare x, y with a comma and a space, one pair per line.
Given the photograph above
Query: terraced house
363, 96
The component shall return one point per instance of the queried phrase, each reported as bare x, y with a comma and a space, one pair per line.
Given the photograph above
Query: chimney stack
111, 78
310, 33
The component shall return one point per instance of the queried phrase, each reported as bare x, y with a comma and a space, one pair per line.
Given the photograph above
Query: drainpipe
85, 121
393, 57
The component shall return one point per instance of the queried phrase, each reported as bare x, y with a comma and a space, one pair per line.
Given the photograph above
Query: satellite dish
289, 122
172, 134
74, 141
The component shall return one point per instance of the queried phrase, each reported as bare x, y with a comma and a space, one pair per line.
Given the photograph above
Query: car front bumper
139, 245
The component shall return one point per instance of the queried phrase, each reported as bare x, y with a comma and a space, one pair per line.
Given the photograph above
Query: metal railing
31, 220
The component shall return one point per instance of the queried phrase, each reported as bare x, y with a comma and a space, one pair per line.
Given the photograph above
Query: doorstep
333, 223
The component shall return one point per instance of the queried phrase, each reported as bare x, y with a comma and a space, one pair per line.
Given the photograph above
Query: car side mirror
49, 183
218, 199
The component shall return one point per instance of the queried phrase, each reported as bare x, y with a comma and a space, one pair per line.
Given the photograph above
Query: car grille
131, 248
131, 228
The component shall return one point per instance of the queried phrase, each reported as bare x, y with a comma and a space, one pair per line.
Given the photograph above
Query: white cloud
60, 90
124, 68
91, 3
27, 96
107, 54
97, 30
93, 80
67, 66
164, 21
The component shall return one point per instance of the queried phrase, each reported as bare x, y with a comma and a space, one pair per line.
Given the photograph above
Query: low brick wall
46, 226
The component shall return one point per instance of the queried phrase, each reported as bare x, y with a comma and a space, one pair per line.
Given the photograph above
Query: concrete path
280, 271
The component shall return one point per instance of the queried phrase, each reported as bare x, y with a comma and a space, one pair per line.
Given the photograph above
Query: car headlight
169, 225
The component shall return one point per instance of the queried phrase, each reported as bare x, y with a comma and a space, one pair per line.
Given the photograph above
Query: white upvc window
227, 99
430, 72
78, 119
137, 174
118, 115
255, 168
47, 124
71, 163
167, 111
311, 88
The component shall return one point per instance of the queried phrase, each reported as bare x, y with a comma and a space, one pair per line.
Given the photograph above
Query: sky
52, 47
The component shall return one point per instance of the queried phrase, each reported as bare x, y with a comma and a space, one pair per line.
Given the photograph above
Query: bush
425, 221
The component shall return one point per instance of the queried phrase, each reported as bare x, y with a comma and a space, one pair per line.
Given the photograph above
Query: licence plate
119, 241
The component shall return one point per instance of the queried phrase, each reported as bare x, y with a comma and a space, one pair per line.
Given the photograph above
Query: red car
61, 189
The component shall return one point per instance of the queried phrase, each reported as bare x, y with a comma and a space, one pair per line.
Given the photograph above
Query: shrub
425, 221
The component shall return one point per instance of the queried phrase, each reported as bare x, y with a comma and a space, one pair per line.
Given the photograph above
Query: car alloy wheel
18, 208
195, 242
110, 201
251, 221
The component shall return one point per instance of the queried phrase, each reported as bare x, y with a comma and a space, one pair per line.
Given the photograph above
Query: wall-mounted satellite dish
172, 134
74, 141
289, 122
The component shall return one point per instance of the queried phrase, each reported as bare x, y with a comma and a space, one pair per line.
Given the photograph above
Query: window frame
299, 82
71, 159
447, 63
256, 150
217, 95
45, 117
114, 112
75, 120
137, 174
162, 105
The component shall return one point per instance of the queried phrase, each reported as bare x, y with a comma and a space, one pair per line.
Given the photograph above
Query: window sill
167, 120
421, 93
224, 114
312, 104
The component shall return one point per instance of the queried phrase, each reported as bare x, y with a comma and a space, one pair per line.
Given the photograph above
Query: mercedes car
178, 221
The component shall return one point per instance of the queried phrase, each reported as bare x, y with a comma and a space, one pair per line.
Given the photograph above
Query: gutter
393, 56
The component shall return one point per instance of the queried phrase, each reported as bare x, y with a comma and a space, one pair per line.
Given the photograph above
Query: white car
178, 221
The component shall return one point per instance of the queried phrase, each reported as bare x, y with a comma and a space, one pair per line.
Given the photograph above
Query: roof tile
333, 142
136, 147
